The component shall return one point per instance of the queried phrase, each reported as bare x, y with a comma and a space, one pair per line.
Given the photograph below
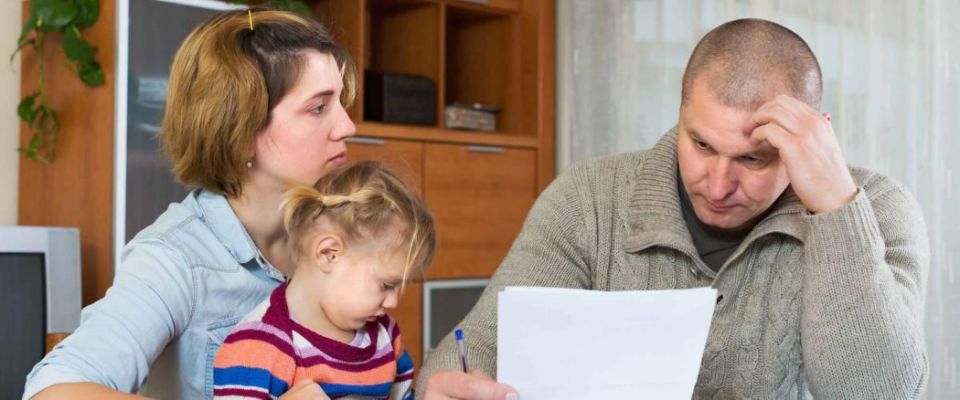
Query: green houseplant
66, 18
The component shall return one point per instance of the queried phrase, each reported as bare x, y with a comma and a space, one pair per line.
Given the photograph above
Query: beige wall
9, 97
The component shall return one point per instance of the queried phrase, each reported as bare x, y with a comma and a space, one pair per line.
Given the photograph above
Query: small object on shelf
474, 116
400, 99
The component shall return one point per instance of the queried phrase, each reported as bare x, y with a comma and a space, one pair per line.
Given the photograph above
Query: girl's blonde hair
362, 200
225, 80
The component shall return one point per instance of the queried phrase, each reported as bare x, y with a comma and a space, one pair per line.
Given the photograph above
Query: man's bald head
747, 62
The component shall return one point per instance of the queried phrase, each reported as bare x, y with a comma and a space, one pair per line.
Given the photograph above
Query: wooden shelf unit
479, 185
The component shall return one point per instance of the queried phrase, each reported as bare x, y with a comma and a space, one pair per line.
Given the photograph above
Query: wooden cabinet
479, 185
404, 158
480, 196
409, 315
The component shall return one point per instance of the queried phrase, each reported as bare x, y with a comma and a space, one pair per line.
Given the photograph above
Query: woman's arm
121, 335
82, 391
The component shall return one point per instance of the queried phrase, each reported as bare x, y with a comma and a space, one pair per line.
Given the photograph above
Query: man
819, 267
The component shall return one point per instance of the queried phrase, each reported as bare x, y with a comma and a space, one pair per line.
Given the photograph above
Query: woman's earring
250, 163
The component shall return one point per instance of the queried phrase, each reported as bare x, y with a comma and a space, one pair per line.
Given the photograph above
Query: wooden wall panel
546, 85
77, 189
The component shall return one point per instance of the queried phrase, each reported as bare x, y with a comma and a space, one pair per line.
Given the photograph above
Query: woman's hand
305, 389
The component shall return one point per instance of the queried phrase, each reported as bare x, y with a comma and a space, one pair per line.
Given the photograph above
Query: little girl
358, 235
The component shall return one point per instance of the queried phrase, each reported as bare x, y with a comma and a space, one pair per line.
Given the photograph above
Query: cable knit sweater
828, 306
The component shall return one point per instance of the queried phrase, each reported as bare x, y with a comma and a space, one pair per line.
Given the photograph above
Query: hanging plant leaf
88, 11
20, 46
37, 5
75, 47
25, 108
42, 144
27, 28
67, 16
45, 121
24, 40
90, 73
52, 15
32, 146
301, 8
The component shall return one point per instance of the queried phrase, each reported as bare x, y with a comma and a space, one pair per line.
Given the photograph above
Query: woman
255, 103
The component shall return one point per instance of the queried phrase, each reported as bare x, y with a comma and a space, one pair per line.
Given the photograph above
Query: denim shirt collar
214, 209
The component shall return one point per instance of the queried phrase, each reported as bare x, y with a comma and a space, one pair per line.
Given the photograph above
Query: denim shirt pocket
217, 332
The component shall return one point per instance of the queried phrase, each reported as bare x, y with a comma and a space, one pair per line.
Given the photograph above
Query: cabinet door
479, 196
404, 158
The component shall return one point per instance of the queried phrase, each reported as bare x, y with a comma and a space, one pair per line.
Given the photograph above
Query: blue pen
461, 349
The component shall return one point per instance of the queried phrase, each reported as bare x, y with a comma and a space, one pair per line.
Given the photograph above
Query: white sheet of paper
583, 344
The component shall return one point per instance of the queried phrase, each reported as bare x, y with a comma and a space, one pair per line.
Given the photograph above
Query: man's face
730, 182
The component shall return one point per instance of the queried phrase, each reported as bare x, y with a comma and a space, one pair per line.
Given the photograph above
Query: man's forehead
730, 142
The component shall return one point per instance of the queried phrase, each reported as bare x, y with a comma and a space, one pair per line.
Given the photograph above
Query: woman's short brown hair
225, 80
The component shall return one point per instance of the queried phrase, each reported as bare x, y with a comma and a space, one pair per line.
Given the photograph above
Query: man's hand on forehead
808, 147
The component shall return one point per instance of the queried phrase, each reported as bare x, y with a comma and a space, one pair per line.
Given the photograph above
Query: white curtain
891, 82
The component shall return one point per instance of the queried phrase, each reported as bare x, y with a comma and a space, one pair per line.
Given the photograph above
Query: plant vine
66, 18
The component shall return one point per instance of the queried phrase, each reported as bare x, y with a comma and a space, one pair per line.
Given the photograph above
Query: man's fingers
793, 115
773, 134
473, 386
488, 389
776, 113
480, 374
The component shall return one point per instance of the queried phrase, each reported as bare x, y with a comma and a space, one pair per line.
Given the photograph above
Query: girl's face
363, 285
308, 127
351, 284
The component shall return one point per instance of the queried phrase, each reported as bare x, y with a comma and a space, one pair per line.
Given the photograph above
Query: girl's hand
305, 389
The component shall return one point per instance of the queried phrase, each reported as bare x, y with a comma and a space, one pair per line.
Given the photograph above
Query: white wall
10, 24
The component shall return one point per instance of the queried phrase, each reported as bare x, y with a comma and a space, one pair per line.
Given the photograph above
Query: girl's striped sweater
268, 352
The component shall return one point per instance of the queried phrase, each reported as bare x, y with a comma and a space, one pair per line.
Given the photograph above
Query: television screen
22, 317
445, 303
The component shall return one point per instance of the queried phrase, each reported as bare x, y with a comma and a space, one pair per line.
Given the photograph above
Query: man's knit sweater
826, 305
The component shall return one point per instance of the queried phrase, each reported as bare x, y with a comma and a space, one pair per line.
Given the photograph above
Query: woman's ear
327, 250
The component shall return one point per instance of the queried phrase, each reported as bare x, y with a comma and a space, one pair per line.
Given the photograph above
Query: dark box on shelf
400, 99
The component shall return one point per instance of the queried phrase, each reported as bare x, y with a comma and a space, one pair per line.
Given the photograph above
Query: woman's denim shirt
183, 283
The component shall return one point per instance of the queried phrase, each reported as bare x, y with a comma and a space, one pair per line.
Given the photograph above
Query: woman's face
305, 137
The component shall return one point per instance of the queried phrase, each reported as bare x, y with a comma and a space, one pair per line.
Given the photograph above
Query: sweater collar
655, 217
